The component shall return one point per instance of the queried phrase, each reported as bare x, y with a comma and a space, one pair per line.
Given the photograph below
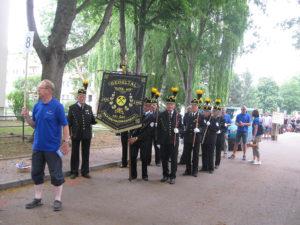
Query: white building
4, 9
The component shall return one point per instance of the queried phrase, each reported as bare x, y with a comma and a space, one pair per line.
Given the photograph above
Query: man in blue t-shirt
228, 122
243, 121
48, 120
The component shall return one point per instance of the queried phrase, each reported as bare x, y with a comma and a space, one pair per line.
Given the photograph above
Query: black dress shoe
145, 178
132, 178
195, 174
202, 170
211, 171
123, 166
73, 176
164, 179
86, 176
172, 181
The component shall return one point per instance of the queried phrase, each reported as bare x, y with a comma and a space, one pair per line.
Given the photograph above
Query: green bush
16, 97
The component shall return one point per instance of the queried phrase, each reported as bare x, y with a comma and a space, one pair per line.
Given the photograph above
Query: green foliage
208, 49
16, 97
268, 95
290, 94
242, 92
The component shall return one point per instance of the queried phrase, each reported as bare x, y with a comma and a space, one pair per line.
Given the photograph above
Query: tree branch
83, 6
71, 54
182, 75
37, 43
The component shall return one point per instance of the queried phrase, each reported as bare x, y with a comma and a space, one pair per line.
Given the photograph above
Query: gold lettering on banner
121, 119
123, 82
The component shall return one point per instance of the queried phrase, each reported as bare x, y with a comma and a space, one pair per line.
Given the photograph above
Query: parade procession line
11, 177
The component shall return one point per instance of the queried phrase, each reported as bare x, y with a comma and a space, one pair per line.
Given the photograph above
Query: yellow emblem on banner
121, 100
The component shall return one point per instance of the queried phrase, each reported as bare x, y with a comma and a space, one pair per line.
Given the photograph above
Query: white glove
155, 124
207, 123
152, 124
226, 124
219, 132
196, 130
217, 124
176, 131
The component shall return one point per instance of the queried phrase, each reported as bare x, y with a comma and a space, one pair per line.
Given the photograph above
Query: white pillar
4, 9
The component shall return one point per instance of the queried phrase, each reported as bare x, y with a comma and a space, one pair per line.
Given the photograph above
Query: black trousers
143, 155
85, 155
169, 151
192, 153
208, 149
124, 141
157, 152
219, 147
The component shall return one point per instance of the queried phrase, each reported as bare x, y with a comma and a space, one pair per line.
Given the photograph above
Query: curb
19, 183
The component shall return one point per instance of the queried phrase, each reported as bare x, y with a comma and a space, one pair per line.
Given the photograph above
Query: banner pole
25, 83
129, 157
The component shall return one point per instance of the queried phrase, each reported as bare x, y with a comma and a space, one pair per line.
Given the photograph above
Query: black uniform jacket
165, 130
221, 122
212, 129
81, 121
145, 132
190, 123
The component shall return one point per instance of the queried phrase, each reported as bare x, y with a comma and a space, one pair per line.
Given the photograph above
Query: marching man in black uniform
81, 119
141, 140
154, 109
220, 142
209, 138
169, 128
193, 123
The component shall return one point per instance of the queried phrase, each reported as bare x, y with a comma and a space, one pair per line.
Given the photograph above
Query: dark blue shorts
54, 162
241, 135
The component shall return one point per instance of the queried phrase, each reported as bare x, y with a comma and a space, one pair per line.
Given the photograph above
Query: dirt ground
13, 147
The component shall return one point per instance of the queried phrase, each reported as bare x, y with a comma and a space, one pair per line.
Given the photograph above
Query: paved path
236, 194
10, 177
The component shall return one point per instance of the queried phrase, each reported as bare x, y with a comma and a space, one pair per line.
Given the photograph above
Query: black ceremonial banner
121, 101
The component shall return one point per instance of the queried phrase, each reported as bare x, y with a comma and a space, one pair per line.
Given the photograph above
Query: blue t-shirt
255, 122
245, 118
227, 119
49, 119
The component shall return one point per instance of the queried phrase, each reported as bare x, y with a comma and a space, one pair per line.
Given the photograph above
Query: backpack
260, 130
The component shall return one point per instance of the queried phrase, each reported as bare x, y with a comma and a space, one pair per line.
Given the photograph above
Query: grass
12, 145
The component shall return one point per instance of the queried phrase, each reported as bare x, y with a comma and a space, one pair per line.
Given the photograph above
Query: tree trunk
53, 69
189, 83
54, 57
122, 41
140, 21
164, 58
139, 50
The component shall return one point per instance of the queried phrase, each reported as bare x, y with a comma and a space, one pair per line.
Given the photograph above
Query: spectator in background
267, 123
228, 122
243, 121
48, 119
256, 135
